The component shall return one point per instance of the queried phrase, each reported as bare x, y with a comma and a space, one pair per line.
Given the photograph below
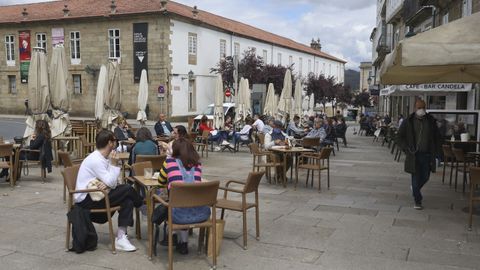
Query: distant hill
352, 78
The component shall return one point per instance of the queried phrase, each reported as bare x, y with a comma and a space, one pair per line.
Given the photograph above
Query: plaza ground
365, 221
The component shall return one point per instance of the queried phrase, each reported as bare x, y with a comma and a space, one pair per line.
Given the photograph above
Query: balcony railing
383, 48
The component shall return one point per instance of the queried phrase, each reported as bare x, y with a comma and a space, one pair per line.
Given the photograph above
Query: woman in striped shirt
183, 166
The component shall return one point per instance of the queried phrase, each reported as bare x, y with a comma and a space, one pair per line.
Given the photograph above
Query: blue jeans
421, 175
236, 137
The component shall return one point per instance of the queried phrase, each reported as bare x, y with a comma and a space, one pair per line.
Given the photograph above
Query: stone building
365, 74
182, 44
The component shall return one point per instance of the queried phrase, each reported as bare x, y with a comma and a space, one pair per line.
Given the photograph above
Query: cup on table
148, 173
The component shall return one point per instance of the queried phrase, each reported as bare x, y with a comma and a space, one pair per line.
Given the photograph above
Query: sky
343, 26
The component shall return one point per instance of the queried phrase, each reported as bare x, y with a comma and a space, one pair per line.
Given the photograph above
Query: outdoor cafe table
150, 186
285, 152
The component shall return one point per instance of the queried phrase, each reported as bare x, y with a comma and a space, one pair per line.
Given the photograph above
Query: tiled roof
47, 11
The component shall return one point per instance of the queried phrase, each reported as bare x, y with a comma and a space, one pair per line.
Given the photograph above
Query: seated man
269, 126
318, 131
242, 134
103, 165
293, 128
258, 125
276, 136
163, 127
122, 131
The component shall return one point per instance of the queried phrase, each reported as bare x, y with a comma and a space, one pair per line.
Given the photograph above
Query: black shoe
418, 206
4, 173
182, 248
164, 242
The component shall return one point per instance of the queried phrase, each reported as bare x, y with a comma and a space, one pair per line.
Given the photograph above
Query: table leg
137, 215
291, 170
285, 170
148, 199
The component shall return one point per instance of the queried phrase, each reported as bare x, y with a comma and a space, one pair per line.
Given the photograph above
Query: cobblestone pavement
365, 221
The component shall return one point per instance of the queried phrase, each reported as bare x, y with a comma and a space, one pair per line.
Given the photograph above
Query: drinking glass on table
148, 173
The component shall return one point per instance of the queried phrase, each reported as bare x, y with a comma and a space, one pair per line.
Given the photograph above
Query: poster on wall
57, 36
140, 50
25, 47
25, 50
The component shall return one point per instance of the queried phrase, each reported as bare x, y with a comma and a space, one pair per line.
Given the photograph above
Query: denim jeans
421, 175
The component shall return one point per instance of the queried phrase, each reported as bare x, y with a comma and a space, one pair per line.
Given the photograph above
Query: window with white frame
309, 65
191, 95
466, 8
10, 49
223, 48
114, 43
77, 84
236, 49
75, 47
265, 56
12, 84
445, 18
323, 68
42, 40
290, 60
300, 63
192, 48
279, 59
316, 68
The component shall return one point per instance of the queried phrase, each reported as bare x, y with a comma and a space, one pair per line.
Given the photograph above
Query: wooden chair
191, 195
26, 162
6, 152
448, 157
87, 147
270, 162
138, 169
250, 186
474, 182
64, 157
70, 180
261, 139
312, 143
317, 163
462, 164
156, 160
203, 143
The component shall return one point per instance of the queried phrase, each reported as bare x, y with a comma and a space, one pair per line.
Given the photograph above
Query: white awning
431, 89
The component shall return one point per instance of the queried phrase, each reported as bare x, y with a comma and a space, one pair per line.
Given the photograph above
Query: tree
276, 74
323, 88
362, 99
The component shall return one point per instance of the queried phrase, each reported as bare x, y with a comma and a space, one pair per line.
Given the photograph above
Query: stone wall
94, 52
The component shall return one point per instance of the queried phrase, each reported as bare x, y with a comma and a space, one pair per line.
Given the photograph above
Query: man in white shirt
258, 124
242, 135
293, 128
103, 165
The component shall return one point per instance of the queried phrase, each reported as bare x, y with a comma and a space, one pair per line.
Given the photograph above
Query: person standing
419, 137
163, 127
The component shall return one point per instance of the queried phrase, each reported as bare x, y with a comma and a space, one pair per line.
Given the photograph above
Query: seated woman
215, 135
329, 131
184, 166
178, 132
144, 145
41, 140
122, 131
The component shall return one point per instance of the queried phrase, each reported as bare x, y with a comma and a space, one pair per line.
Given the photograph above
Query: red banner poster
25, 46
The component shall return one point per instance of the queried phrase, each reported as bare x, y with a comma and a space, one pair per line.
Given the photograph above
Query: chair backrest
261, 138
205, 134
325, 152
253, 181
139, 167
156, 160
459, 154
193, 194
447, 150
311, 142
65, 158
70, 176
475, 175
254, 148
6, 150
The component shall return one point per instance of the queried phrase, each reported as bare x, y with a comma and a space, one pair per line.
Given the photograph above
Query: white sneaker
217, 148
123, 244
232, 146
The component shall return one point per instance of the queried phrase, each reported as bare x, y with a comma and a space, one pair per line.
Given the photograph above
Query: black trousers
124, 196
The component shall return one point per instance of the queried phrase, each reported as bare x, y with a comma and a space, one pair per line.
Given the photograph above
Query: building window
12, 84
77, 84
290, 60
300, 63
10, 49
317, 71
309, 66
323, 68
279, 59
445, 18
265, 56
42, 41
467, 8
191, 96
223, 48
75, 47
236, 49
114, 42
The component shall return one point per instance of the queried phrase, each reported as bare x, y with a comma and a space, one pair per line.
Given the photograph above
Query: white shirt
259, 125
97, 166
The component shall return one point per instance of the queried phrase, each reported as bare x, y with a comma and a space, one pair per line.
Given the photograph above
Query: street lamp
191, 75
369, 80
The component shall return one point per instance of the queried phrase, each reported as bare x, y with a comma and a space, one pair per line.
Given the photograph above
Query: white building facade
195, 49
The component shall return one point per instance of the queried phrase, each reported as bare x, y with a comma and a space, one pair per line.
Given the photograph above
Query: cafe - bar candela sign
140, 50
25, 50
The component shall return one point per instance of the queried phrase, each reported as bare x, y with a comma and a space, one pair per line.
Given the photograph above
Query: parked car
228, 109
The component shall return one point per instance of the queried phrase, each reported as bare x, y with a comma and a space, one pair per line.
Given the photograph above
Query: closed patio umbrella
305, 103
311, 105
112, 96
142, 98
218, 115
298, 99
270, 101
38, 90
247, 98
100, 96
59, 92
446, 54
285, 102
240, 109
